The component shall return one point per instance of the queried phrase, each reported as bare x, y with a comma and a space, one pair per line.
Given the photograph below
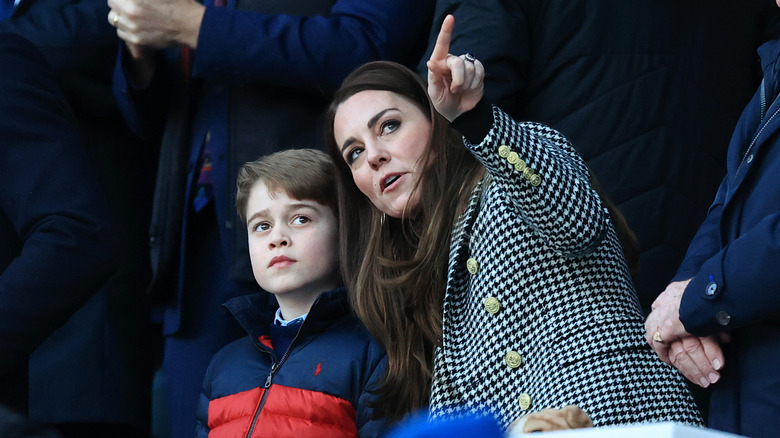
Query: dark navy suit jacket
57, 245
734, 262
76, 39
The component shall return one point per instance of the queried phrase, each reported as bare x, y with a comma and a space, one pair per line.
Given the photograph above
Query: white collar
283, 322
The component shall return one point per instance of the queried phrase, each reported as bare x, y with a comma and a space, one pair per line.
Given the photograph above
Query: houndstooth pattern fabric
548, 253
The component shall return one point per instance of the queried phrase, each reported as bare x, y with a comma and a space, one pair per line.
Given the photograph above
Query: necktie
204, 190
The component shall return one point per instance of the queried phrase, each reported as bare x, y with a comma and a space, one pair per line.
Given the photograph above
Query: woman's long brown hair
396, 269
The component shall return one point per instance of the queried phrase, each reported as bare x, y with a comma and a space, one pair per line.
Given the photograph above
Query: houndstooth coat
540, 311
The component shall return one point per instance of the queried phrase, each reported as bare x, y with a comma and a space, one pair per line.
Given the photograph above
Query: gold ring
116, 19
657, 337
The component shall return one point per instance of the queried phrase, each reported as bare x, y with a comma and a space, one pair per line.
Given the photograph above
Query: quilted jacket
319, 388
539, 310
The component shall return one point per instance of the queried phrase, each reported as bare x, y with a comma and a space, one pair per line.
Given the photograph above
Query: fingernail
714, 377
716, 364
704, 382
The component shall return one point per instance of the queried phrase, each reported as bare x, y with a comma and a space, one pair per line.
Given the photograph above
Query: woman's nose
377, 155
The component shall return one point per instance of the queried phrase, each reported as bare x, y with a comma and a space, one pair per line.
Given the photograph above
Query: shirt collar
278, 320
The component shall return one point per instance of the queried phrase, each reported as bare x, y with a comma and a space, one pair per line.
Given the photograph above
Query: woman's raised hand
455, 83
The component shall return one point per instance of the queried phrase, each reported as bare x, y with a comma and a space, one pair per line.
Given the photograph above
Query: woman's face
382, 136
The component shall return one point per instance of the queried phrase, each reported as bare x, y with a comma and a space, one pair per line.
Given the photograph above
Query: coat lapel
459, 245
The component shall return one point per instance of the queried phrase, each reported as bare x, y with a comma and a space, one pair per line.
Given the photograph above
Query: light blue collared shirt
284, 323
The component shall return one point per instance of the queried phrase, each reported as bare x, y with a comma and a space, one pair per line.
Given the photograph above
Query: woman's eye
390, 126
300, 220
353, 154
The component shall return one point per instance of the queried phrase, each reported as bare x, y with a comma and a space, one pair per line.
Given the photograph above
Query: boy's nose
279, 238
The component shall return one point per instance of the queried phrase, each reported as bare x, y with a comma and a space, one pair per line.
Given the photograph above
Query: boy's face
292, 244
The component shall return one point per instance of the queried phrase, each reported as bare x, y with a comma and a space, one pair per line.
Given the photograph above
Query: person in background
717, 321
92, 377
57, 243
220, 84
309, 360
486, 264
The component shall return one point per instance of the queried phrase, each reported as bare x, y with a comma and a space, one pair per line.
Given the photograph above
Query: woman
486, 264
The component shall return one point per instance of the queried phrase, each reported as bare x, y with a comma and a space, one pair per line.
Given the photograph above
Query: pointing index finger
442, 47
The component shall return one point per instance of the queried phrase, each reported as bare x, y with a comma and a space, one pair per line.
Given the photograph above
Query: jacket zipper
763, 126
269, 381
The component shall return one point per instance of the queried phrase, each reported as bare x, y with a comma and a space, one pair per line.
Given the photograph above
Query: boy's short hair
301, 173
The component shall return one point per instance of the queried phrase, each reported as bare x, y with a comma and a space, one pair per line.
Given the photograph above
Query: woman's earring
382, 218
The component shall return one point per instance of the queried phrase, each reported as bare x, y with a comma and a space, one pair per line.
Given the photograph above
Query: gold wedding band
657, 337
115, 19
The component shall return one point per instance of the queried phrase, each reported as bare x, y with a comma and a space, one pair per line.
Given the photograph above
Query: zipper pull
270, 375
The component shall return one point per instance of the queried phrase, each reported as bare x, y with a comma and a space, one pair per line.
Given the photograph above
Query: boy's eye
301, 220
261, 226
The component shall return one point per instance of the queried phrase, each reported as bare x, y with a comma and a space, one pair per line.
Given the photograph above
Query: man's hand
663, 325
698, 359
157, 24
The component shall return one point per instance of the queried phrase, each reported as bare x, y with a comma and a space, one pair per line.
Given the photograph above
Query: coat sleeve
144, 108
737, 285
56, 239
313, 53
368, 423
546, 179
734, 281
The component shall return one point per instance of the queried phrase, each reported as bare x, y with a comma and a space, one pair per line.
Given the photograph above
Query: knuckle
693, 348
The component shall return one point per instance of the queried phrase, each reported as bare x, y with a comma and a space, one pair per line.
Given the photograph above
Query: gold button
492, 305
528, 173
520, 166
472, 265
513, 359
525, 401
503, 151
536, 180
513, 158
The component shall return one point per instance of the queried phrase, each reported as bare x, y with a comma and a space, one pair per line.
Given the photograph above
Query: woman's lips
389, 180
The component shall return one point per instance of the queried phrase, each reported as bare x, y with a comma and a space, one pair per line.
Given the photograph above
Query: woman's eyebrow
371, 123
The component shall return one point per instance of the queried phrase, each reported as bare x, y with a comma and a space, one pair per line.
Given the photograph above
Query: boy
307, 366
